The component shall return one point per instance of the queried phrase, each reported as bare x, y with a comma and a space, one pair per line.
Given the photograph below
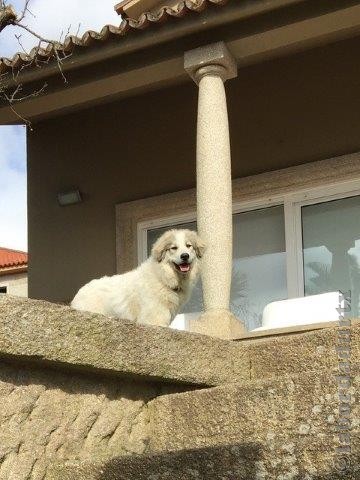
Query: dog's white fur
154, 292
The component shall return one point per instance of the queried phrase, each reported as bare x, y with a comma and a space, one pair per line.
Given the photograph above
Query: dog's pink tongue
184, 267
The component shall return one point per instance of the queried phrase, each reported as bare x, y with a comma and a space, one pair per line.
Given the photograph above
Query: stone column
210, 67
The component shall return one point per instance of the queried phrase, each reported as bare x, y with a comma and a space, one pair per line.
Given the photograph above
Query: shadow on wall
24, 374
229, 462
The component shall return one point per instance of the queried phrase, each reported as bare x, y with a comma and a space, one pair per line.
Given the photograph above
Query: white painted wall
17, 284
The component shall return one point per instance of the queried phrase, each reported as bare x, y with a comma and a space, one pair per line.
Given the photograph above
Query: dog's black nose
184, 256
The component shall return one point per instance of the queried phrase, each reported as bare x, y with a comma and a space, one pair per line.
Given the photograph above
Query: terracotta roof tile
89, 38
12, 258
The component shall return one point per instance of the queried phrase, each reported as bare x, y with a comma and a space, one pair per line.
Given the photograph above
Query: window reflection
331, 242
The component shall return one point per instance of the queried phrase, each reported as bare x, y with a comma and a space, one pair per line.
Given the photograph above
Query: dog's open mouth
183, 267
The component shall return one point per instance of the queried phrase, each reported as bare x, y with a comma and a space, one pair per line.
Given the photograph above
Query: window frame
292, 203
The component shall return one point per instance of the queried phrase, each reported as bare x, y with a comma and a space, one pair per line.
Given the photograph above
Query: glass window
331, 245
259, 268
259, 265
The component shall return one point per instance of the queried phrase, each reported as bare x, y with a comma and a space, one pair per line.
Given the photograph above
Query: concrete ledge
46, 332
294, 354
292, 420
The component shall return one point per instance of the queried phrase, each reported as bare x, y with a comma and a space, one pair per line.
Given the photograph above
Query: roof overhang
13, 270
154, 66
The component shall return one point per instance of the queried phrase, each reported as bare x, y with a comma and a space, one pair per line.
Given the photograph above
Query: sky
50, 18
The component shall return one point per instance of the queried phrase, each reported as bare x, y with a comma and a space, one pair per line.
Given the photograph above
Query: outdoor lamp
69, 198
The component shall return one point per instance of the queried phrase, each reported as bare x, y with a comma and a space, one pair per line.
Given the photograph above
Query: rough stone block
310, 351
293, 420
48, 416
222, 463
43, 331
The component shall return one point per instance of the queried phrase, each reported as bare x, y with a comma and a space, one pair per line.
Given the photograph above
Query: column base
218, 323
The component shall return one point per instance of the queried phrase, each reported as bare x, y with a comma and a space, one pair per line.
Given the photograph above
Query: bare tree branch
23, 13
34, 34
8, 17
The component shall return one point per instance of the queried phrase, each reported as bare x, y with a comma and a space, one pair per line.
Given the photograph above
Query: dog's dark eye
174, 248
188, 245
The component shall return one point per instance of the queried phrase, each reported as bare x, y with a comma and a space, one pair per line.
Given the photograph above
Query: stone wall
89, 397
292, 422
48, 416
76, 386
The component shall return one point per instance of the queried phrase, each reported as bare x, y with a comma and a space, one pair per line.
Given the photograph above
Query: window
259, 266
292, 245
259, 263
331, 246
3, 289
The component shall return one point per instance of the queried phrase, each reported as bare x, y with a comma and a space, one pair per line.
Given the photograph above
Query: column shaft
210, 67
214, 196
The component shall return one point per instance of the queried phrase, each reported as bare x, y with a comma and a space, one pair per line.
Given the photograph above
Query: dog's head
180, 248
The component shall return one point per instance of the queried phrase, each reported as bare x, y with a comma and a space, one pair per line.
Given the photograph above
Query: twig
23, 13
23, 119
36, 59
34, 34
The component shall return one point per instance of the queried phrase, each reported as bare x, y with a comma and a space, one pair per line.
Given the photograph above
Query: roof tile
39, 55
12, 258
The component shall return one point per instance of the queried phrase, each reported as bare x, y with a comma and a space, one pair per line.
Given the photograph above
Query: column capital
213, 59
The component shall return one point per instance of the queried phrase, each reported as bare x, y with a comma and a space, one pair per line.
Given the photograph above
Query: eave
166, 65
13, 270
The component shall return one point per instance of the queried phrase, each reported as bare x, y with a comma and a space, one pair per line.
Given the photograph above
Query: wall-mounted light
69, 198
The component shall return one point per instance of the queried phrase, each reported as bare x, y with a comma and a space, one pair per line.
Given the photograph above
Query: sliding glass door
306, 244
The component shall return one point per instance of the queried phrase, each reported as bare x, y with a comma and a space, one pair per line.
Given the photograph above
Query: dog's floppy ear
197, 243
162, 244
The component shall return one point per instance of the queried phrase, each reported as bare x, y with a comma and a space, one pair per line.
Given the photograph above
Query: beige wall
17, 284
256, 188
282, 113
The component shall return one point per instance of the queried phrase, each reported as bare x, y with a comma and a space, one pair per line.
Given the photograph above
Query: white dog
154, 292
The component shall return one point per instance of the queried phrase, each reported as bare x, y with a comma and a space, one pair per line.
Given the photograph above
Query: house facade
13, 272
239, 119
